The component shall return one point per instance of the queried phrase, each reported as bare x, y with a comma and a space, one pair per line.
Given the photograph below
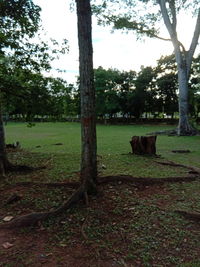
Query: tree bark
184, 127
88, 174
143, 145
183, 60
4, 163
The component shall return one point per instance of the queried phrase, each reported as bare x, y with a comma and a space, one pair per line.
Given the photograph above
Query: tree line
151, 93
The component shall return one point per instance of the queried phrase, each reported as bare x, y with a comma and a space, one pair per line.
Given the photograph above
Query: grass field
124, 225
113, 147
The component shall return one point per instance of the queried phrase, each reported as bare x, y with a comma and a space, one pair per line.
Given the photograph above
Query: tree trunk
183, 60
4, 163
184, 127
87, 92
143, 145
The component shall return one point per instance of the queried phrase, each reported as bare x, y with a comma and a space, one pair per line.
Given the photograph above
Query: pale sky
111, 50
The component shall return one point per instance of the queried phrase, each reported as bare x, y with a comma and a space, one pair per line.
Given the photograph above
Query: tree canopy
18, 20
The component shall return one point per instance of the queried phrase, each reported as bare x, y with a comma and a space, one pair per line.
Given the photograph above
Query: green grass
125, 225
113, 148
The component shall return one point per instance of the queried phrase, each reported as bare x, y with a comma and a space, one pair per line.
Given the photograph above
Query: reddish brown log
144, 145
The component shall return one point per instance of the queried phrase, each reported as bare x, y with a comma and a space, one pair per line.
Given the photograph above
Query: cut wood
144, 145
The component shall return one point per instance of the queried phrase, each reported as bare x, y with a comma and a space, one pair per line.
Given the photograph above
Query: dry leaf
8, 218
7, 245
62, 245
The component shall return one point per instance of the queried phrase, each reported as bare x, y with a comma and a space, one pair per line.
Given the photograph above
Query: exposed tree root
66, 184
189, 215
194, 170
175, 132
83, 228
13, 198
164, 132
33, 219
23, 168
117, 178
30, 219
145, 181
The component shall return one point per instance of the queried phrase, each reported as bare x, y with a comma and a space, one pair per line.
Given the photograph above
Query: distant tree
61, 100
112, 87
167, 84
143, 84
126, 85
101, 83
106, 86
31, 96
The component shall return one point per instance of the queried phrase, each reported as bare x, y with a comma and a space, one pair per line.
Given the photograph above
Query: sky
111, 50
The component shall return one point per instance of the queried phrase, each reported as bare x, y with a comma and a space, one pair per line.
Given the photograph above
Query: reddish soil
123, 225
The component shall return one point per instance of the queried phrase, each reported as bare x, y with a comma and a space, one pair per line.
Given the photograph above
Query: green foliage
143, 16
18, 19
24, 90
125, 93
31, 94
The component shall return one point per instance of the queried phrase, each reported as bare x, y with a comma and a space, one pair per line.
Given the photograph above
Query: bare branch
168, 39
173, 10
171, 26
193, 43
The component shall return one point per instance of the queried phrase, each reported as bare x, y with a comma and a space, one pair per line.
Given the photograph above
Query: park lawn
125, 224
113, 148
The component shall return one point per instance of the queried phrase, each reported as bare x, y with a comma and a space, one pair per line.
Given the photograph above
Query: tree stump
143, 145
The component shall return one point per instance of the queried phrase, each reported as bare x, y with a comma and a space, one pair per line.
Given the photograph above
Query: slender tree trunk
3, 154
87, 92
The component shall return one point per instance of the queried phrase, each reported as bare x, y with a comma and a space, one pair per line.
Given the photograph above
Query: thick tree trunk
184, 127
87, 92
